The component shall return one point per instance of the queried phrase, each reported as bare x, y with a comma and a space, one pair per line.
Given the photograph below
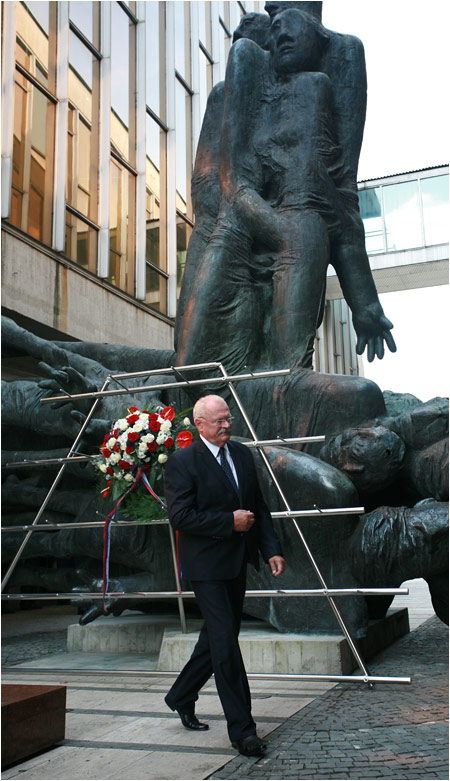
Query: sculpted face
255, 27
296, 42
212, 420
369, 457
274, 7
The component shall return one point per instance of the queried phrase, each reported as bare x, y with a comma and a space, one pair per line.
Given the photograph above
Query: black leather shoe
190, 721
250, 746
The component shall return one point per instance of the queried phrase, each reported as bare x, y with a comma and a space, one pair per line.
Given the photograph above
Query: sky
407, 128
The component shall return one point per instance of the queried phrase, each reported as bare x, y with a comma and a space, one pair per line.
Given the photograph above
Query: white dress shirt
215, 451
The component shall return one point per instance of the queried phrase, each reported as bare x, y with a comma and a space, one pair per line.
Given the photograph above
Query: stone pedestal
33, 719
264, 650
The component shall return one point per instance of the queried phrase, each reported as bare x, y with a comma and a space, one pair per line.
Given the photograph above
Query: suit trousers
217, 651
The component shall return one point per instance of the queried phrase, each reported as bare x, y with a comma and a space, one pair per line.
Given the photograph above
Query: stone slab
272, 652
33, 719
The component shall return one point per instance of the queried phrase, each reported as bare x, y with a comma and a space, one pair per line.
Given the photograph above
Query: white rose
111, 442
122, 424
162, 458
114, 458
186, 422
138, 426
102, 467
128, 478
118, 475
166, 426
147, 438
144, 417
161, 438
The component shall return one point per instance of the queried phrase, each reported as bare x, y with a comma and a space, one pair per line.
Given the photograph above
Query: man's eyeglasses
221, 421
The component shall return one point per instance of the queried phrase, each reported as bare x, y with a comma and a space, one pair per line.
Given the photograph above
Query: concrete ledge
264, 650
131, 634
269, 652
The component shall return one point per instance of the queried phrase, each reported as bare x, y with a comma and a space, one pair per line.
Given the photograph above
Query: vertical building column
8, 73
195, 78
171, 223
61, 118
216, 30
140, 152
104, 139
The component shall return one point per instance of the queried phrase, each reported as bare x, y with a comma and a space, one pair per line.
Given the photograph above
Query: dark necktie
227, 468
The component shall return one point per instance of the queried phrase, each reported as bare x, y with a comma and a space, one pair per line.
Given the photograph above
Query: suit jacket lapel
214, 464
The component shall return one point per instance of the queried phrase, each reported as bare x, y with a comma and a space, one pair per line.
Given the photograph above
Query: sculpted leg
300, 271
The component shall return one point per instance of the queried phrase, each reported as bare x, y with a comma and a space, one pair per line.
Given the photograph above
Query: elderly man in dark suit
206, 487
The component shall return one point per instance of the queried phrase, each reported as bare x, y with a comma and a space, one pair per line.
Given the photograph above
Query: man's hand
243, 520
276, 565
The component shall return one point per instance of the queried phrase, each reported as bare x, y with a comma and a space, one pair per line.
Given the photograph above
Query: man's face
295, 45
215, 426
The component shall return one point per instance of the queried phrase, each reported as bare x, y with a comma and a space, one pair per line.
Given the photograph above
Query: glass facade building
100, 139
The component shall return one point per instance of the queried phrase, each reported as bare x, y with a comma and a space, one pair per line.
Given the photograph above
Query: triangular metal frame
229, 381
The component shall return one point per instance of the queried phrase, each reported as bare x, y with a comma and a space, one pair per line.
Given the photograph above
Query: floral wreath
132, 458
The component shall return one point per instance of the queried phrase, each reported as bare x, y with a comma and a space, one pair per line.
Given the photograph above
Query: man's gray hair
201, 405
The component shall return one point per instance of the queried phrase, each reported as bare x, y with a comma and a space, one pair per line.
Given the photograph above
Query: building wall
97, 156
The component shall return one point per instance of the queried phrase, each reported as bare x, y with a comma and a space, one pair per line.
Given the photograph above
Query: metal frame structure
181, 381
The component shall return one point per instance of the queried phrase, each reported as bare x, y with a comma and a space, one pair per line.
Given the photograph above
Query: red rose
116, 447
105, 452
110, 470
153, 416
129, 449
124, 464
132, 409
168, 413
133, 437
132, 419
184, 438
154, 425
169, 442
152, 446
116, 432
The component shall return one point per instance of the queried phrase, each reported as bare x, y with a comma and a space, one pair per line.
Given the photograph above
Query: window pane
121, 227
435, 209
202, 22
81, 242
152, 53
183, 235
156, 287
122, 83
82, 159
32, 177
35, 40
181, 146
181, 35
370, 208
402, 215
85, 15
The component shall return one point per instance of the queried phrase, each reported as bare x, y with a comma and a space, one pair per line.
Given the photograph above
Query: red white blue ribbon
107, 528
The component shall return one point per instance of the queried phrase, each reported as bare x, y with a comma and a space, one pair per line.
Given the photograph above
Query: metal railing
179, 594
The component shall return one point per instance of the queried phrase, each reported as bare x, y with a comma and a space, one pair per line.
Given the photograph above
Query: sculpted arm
238, 168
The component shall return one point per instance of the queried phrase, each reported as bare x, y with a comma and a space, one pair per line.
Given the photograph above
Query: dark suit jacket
201, 502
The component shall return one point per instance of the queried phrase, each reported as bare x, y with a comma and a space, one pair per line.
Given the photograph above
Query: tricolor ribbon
140, 476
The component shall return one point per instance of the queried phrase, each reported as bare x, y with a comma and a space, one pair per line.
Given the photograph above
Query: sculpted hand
373, 329
276, 565
243, 520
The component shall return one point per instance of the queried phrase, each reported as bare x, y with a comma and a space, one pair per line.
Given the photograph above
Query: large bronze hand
373, 329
